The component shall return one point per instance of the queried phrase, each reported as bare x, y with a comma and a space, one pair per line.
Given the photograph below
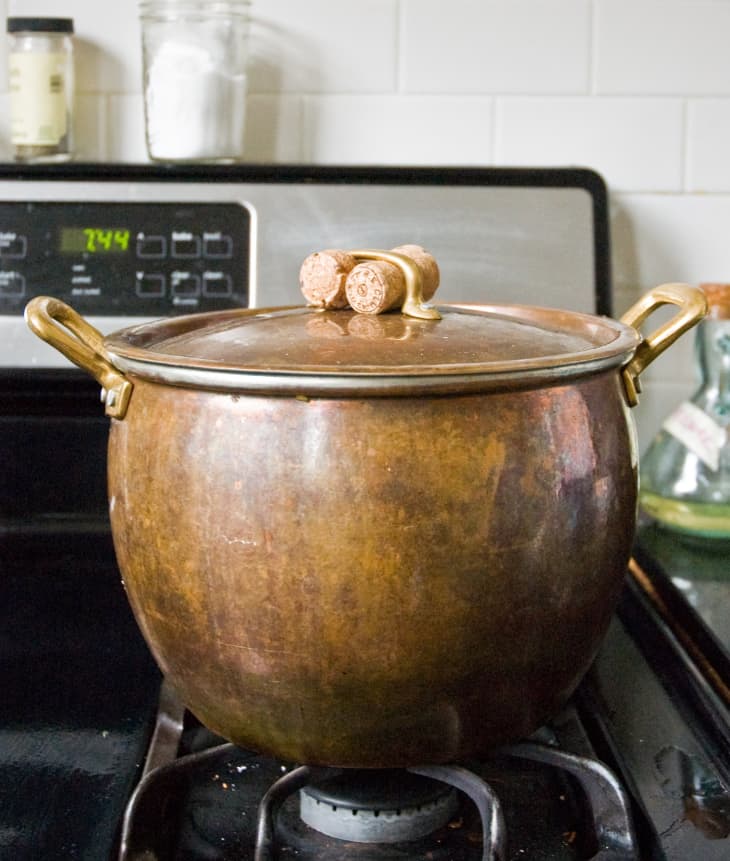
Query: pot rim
331, 385
609, 344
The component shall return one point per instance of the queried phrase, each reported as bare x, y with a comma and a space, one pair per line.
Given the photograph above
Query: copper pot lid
305, 351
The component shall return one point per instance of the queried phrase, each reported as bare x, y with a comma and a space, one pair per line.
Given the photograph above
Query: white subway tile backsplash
634, 143
323, 46
419, 130
273, 129
507, 46
90, 128
126, 139
668, 47
673, 237
708, 145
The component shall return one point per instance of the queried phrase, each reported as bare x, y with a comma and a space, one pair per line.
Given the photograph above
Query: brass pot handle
693, 307
61, 327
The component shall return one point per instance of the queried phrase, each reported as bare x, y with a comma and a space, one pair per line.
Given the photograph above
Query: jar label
700, 433
38, 109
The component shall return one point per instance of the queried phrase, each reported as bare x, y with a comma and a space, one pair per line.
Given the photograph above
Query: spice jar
194, 57
685, 474
41, 88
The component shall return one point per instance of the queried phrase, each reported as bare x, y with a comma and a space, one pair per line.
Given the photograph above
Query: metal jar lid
40, 25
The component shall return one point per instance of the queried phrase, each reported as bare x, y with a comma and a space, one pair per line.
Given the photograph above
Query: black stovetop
79, 690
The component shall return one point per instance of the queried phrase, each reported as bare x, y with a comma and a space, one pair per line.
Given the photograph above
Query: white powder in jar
194, 107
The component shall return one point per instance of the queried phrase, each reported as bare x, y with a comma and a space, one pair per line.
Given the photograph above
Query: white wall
636, 89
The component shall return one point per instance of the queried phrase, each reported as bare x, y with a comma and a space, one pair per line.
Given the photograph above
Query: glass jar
685, 474
194, 59
40, 61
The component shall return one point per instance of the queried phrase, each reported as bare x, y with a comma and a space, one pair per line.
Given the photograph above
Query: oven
98, 757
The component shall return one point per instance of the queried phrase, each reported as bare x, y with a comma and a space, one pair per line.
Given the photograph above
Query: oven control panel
125, 259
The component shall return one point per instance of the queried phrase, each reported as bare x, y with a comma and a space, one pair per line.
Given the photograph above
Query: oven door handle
60, 326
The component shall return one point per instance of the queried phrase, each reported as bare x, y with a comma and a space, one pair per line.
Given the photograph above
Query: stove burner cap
377, 805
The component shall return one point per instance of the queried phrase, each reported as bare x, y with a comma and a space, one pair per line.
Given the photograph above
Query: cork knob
375, 286
322, 278
404, 277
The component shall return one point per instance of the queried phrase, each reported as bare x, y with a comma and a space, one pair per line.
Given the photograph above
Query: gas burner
417, 790
377, 805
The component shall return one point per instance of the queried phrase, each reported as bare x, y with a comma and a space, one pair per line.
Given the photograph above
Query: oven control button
12, 284
12, 246
185, 284
149, 285
217, 285
185, 245
217, 246
151, 246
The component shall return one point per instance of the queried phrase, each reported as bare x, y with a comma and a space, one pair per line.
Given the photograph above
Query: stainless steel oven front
130, 243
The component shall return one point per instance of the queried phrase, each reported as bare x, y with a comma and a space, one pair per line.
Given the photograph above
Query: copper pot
362, 541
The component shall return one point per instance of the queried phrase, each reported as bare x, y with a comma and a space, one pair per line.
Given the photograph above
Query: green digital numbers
100, 240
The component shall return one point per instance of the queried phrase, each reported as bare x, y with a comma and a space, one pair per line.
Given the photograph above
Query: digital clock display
94, 240
110, 258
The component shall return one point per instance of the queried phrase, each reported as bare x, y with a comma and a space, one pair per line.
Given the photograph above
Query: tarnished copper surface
411, 570
374, 582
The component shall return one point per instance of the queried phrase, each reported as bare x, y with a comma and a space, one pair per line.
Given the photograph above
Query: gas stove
99, 759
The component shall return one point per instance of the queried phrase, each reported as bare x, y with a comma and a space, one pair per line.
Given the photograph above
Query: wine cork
322, 278
376, 286
427, 264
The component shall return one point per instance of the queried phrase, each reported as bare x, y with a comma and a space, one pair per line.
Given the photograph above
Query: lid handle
413, 305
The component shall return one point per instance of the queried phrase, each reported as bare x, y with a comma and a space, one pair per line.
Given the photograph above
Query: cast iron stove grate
217, 802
